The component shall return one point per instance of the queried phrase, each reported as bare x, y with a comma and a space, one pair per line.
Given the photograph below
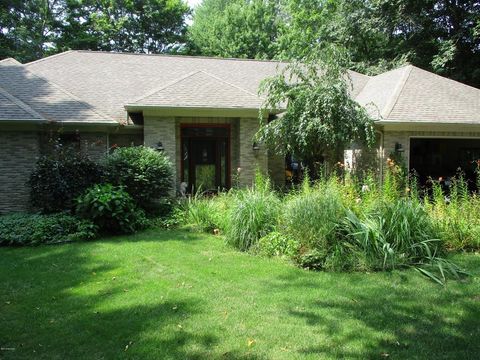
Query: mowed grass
183, 295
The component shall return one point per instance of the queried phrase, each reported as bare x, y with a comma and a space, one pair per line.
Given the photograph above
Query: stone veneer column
250, 160
162, 129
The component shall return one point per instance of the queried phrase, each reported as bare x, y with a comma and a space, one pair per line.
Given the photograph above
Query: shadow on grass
394, 320
61, 302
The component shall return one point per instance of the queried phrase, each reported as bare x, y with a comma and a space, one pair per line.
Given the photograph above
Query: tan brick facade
167, 131
18, 154
390, 138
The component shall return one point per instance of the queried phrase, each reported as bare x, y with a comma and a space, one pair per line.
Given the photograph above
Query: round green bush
146, 174
111, 208
57, 181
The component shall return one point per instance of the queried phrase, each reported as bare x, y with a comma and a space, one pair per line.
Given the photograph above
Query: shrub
58, 180
111, 208
145, 174
253, 215
276, 244
399, 234
33, 229
311, 215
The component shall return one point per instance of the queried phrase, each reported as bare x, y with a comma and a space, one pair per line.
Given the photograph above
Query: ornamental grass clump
207, 214
397, 235
253, 214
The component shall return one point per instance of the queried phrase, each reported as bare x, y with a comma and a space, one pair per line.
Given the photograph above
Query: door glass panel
205, 177
185, 162
223, 163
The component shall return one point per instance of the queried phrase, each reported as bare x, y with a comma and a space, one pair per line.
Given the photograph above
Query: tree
142, 26
29, 30
235, 28
320, 117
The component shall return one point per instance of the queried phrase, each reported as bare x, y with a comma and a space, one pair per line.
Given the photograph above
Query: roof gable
202, 90
45, 99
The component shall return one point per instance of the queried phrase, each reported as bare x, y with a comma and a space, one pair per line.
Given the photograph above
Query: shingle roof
410, 94
12, 108
46, 99
202, 90
108, 81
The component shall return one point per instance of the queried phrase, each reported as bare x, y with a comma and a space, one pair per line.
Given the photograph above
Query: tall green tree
28, 28
320, 117
32, 29
144, 26
235, 28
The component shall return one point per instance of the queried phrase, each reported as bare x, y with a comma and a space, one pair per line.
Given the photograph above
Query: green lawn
182, 295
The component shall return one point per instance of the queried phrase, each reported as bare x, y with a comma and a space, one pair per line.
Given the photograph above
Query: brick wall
18, 154
167, 131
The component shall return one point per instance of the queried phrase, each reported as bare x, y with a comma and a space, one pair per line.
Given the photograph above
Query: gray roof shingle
108, 81
12, 108
202, 90
410, 94
45, 98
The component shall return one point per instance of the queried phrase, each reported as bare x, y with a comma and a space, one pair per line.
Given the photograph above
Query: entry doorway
205, 164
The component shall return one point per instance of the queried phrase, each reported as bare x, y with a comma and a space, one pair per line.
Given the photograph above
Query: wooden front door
205, 157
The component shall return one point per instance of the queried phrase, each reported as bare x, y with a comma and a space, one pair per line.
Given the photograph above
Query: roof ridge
230, 84
50, 57
15, 61
159, 55
386, 111
163, 87
21, 104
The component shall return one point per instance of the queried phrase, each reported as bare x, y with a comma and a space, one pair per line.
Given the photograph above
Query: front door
205, 158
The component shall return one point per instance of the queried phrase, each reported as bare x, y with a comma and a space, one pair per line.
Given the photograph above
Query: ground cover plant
35, 229
186, 295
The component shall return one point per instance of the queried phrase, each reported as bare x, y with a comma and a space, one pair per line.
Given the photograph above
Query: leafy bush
145, 174
33, 229
111, 208
254, 214
276, 244
57, 181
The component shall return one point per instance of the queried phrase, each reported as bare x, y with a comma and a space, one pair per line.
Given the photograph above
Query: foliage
238, 28
253, 214
310, 215
34, 229
208, 213
378, 35
145, 174
29, 30
320, 117
276, 244
111, 208
58, 179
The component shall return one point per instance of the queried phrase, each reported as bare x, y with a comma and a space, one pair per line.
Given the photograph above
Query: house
203, 112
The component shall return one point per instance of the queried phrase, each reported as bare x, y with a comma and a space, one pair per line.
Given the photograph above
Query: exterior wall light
399, 148
255, 146
159, 146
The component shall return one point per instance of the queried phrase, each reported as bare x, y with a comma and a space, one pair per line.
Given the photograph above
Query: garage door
444, 157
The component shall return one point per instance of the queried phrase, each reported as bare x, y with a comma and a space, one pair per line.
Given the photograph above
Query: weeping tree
320, 116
